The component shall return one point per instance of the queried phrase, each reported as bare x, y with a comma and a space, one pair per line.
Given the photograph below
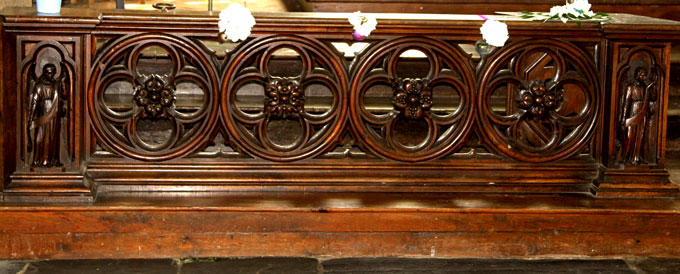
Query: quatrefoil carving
152, 98
284, 98
538, 100
414, 99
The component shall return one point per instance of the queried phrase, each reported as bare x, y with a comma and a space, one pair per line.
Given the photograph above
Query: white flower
236, 21
559, 11
494, 33
578, 7
363, 24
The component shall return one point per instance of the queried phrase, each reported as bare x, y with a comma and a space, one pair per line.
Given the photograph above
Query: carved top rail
305, 22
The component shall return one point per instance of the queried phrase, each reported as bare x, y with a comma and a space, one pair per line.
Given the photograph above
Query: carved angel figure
47, 105
638, 103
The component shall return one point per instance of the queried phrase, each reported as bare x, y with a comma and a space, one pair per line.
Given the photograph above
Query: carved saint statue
47, 105
638, 104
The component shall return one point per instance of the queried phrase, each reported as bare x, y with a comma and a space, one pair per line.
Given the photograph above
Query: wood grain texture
178, 144
480, 123
331, 225
667, 9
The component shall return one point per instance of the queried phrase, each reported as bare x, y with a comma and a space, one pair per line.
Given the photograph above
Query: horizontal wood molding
343, 225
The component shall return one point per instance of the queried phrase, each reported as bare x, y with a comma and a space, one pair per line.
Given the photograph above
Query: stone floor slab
252, 265
162, 266
421, 266
11, 267
655, 265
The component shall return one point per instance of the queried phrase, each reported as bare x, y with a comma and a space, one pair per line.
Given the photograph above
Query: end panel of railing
45, 66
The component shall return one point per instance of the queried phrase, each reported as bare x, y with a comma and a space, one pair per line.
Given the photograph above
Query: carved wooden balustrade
150, 102
302, 142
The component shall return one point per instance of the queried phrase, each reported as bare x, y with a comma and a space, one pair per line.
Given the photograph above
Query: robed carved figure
47, 105
638, 103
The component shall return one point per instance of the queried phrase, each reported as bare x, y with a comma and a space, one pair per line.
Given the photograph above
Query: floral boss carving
540, 98
412, 97
155, 96
285, 97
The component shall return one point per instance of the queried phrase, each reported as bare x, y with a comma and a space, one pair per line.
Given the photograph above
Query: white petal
495, 33
236, 21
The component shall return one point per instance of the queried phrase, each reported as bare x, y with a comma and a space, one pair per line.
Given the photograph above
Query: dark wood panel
140, 134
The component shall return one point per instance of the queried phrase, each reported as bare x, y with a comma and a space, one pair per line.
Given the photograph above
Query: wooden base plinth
640, 182
53, 185
351, 176
344, 225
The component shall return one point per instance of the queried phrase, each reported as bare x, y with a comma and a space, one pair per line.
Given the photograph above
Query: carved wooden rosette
152, 97
284, 98
551, 97
447, 129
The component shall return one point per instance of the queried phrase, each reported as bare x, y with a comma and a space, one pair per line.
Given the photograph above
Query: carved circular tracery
284, 97
538, 100
152, 98
412, 100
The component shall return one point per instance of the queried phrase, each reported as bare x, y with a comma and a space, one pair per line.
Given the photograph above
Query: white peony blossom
494, 33
363, 25
573, 10
236, 21
559, 11
577, 5
578, 8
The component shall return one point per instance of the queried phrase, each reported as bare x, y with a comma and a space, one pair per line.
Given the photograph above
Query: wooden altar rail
667, 9
132, 120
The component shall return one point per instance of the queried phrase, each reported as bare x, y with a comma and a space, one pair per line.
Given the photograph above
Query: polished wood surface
301, 142
668, 9
343, 225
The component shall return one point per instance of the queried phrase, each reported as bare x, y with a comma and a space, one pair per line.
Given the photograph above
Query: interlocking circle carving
538, 100
153, 97
416, 106
285, 98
